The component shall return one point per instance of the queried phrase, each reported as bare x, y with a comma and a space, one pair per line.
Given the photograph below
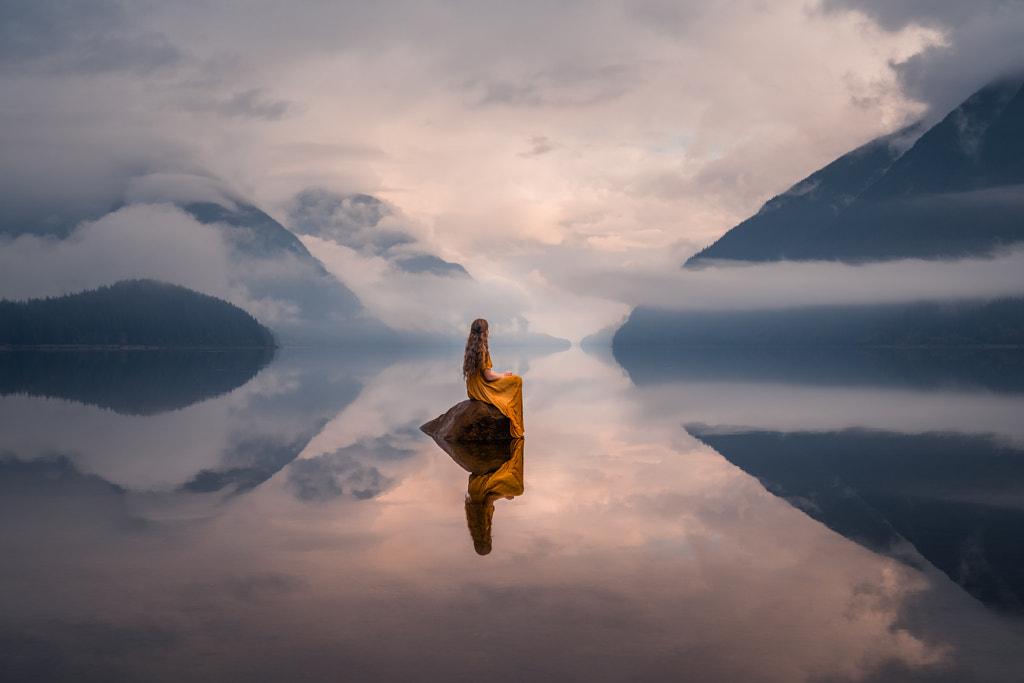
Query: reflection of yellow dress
504, 482
505, 394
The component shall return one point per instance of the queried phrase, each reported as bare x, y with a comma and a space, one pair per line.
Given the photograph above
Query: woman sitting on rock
504, 391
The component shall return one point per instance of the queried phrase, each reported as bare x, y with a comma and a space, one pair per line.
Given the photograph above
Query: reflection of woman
484, 489
504, 391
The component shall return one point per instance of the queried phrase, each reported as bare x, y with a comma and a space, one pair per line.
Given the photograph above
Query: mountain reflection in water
191, 422
299, 526
953, 500
138, 382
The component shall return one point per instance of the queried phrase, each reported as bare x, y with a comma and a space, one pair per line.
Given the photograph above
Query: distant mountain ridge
264, 237
354, 221
257, 236
957, 190
999, 322
142, 313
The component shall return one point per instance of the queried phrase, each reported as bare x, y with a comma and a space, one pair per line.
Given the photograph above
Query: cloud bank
540, 146
783, 284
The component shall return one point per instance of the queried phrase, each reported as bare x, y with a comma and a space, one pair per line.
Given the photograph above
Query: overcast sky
518, 139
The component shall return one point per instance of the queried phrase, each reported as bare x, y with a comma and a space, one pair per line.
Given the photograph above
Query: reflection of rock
469, 422
477, 457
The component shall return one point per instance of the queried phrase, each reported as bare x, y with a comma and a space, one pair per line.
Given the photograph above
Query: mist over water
299, 525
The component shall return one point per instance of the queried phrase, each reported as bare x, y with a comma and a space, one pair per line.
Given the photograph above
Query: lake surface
698, 515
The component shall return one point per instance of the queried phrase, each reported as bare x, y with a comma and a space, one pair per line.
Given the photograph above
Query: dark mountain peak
254, 234
354, 221
261, 236
428, 263
342, 217
952, 193
811, 203
965, 151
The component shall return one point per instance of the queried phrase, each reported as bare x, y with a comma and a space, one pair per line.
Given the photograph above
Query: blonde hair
476, 349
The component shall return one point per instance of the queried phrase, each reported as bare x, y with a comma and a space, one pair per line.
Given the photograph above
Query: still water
684, 515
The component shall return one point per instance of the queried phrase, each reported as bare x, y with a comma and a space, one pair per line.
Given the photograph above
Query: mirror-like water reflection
708, 526
130, 382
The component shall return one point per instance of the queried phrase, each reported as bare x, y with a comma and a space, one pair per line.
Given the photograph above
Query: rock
471, 421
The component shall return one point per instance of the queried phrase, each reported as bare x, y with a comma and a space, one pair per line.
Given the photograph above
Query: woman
504, 391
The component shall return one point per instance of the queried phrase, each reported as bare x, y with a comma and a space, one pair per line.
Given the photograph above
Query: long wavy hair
476, 349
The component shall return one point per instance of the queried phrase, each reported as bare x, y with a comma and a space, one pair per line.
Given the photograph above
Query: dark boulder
470, 421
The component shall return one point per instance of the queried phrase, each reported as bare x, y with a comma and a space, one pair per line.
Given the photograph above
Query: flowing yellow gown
505, 394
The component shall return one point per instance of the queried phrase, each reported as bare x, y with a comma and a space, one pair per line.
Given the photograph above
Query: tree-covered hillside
953, 324
131, 313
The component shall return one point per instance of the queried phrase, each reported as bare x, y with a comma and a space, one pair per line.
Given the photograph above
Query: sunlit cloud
619, 134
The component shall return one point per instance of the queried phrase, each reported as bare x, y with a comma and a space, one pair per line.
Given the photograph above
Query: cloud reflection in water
640, 553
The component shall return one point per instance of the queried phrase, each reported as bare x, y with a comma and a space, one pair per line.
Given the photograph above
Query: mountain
260, 235
957, 190
998, 322
131, 313
193, 230
366, 225
273, 267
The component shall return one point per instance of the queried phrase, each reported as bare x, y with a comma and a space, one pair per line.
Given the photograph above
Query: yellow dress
505, 394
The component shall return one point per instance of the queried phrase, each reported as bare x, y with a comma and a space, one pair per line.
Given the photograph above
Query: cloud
421, 301
565, 86
253, 104
735, 405
87, 36
346, 472
540, 144
178, 188
981, 43
515, 141
286, 291
347, 219
368, 226
896, 14
444, 98
142, 241
730, 286
240, 435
